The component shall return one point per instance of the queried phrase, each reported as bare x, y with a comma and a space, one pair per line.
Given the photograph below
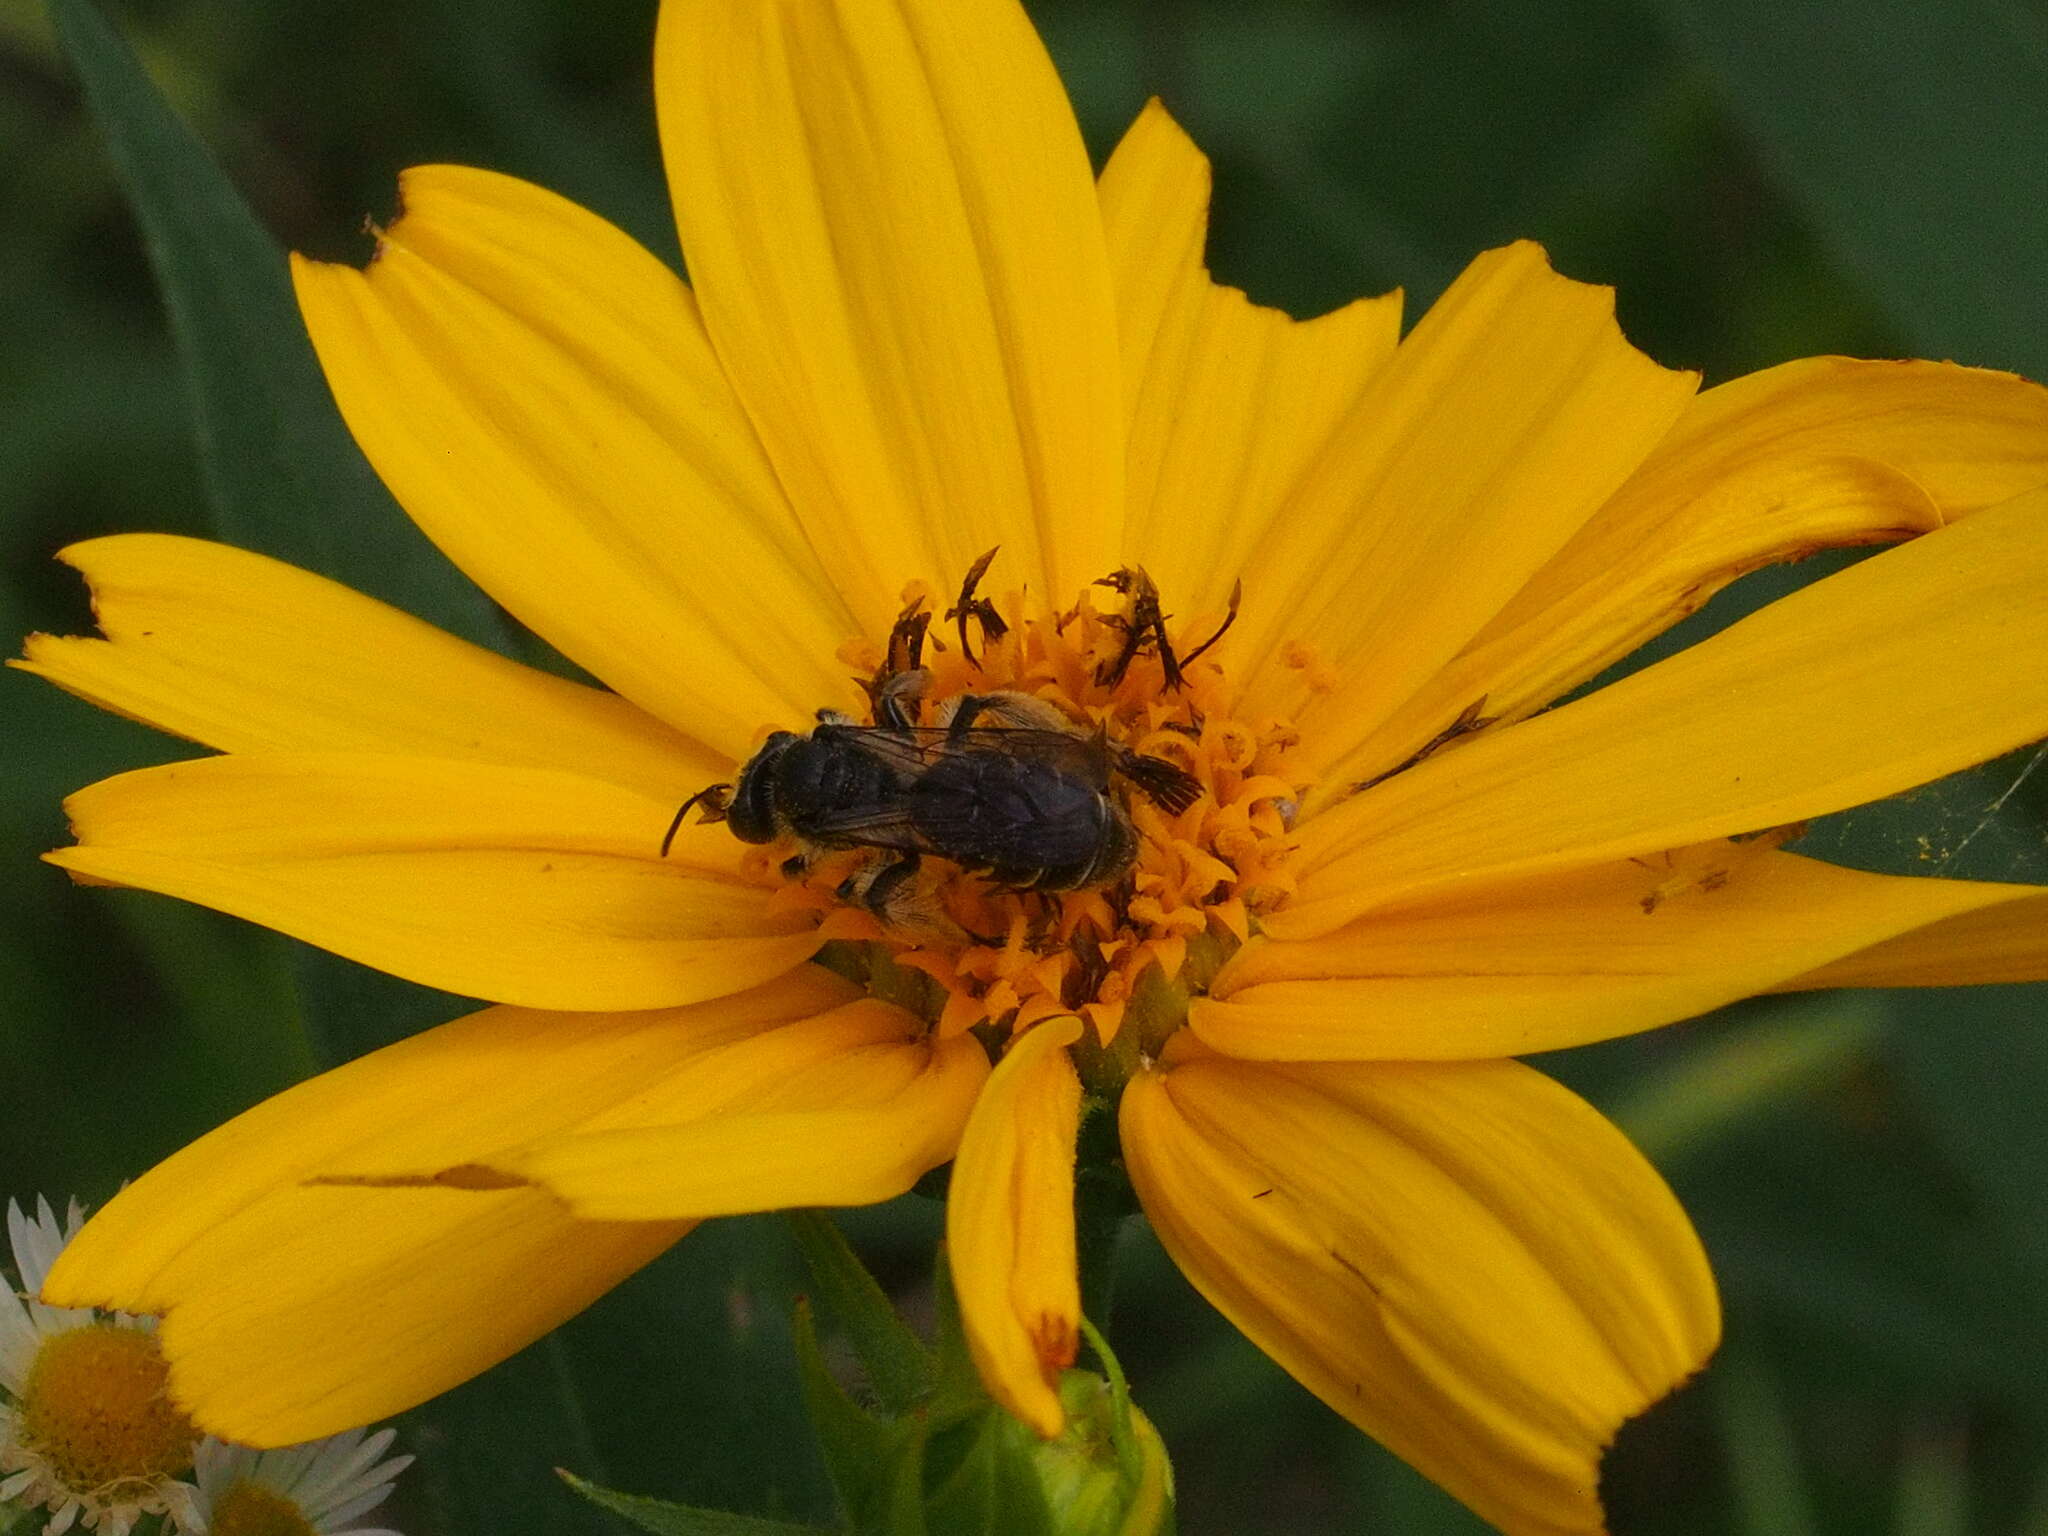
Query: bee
1005, 786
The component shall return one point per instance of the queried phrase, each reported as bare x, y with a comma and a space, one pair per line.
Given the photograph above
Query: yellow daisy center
96, 1409
972, 951
251, 1509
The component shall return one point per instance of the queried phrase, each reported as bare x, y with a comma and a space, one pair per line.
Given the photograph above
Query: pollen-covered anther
96, 1410
1193, 838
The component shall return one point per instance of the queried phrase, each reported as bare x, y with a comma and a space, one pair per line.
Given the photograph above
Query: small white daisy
87, 1430
315, 1489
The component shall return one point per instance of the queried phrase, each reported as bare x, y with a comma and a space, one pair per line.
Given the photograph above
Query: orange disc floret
1208, 859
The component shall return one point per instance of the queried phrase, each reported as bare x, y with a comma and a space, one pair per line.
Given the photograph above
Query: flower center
1077, 816
96, 1410
251, 1509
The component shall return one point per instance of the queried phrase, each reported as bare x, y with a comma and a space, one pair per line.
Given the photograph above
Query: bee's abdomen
1025, 823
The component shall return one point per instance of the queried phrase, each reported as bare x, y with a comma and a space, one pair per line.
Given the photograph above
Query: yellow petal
2003, 942
891, 222
852, 1130
1506, 418
516, 884
296, 1310
539, 394
1463, 1259
1228, 402
1010, 1226
1894, 672
248, 654
1823, 452
1563, 959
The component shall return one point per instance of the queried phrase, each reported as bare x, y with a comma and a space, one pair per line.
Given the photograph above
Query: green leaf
665, 1519
1915, 135
898, 1366
1934, 1486
877, 1465
678, 1384
281, 471
1771, 1491
958, 1392
1732, 1076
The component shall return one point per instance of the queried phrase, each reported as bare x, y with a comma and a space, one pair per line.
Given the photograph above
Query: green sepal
979, 1479
876, 1464
666, 1519
897, 1364
988, 1472
281, 471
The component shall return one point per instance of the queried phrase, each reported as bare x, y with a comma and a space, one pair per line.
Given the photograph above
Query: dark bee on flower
1004, 786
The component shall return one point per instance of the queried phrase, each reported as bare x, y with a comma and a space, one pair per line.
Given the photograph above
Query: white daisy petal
18, 1341
328, 1482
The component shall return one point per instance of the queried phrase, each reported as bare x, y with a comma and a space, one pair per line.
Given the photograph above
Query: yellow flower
921, 329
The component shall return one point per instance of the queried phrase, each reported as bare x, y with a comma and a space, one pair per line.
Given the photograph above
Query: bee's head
751, 813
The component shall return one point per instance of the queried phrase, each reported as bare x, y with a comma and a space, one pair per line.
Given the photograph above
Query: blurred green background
1760, 180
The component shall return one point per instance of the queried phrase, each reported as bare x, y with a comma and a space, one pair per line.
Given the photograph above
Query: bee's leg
1044, 908
888, 890
967, 709
1006, 709
796, 866
872, 885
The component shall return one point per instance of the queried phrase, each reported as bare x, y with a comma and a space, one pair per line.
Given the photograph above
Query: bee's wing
910, 752
1079, 757
915, 748
877, 825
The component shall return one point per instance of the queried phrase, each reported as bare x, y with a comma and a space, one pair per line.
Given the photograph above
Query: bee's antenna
712, 797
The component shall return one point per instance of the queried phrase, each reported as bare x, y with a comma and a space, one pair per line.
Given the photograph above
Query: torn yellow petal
520, 885
1228, 401
890, 219
248, 654
1562, 959
1010, 1225
1887, 675
539, 394
297, 1311
1464, 1259
1824, 452
854, 1130
1503, 421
